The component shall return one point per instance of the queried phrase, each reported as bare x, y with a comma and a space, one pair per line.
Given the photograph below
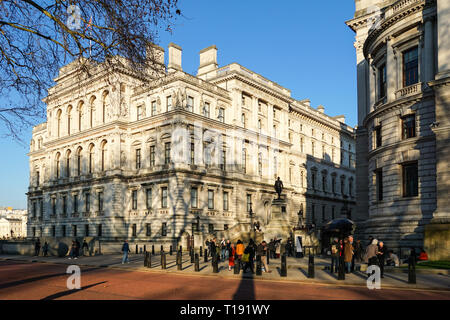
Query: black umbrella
340, 225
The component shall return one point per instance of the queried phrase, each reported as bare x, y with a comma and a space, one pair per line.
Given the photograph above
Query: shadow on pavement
246, 289
68, 292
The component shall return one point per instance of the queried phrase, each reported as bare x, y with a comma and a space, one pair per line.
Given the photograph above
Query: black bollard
283, 271
206, 255
137, 251
153, 249
162, 249
181, 248
179, 261
215, 264
163, 260
197, 263
192, 255
411, 270
237, 265
311, 267
145, 260
149, 260
341, 270
171, 250
258, 265
201, 251
145, 248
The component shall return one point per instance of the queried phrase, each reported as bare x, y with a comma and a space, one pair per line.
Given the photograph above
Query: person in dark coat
45, 249
37, 247
77, 248
125, 250
334, 249
250, 250
382, 255
271, 249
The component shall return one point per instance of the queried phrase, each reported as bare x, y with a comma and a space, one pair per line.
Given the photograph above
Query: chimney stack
208, 60
174, 58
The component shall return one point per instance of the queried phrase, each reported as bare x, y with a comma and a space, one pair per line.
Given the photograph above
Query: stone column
443, 30
391, 71
428, 51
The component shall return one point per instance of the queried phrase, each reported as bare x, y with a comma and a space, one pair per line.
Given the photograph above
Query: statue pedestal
278, 226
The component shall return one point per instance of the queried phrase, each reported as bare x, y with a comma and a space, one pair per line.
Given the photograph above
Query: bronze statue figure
278, 187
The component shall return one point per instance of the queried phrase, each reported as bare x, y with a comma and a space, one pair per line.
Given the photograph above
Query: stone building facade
164, 158
402, 165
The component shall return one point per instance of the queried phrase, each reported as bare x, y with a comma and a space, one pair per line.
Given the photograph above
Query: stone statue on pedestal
278, 187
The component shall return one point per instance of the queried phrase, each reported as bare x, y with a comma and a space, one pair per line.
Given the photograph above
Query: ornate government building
172, 156
403, 132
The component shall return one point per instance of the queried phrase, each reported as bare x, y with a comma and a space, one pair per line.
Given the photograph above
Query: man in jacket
261, 250
125, 250
348, 254
382, 254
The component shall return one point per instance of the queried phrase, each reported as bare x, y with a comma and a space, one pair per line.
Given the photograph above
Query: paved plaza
96, 270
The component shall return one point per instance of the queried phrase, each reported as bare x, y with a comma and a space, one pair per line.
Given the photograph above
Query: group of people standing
240, 256
73, 253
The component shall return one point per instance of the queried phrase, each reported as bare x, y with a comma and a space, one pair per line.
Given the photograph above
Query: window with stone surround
167, 152
194, 198
133, 231
152, 156
408, 126
382, 84
134, 199
87, 202
410, 66
378, 138
153, 108
210, 199
190, 104
164, 197
138, 158
206, 109
410, 179
169, 103
148, 229
148, 198
225, 201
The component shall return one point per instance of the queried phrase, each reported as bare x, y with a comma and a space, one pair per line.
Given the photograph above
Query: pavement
297, 270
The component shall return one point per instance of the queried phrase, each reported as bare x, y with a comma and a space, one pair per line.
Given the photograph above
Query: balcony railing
409, 91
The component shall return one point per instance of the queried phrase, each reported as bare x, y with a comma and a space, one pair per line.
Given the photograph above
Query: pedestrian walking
37, 247
239, 252
382, 255
85, 247
348, 254
223, 248
125, 250
262, 251
370, 256
231, 254
45, 249
334, 249
249, 255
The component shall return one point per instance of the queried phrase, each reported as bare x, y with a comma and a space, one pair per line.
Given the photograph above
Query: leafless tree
39, 37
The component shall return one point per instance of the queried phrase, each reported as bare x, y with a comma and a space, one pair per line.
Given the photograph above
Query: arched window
68, 153
91, 111
103, 160
69, 111
80, 114
91, 159
58, 119
57, 164
79, 161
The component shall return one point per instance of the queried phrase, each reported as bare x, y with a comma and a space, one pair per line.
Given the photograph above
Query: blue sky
304, 46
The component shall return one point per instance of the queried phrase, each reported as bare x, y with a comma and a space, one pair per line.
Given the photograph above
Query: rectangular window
133, 230
210, 228
64, 205
164, 197
164, 229
409, 126
249, 202
99, 230
194, 197
153, 108
169, 103
382, 81
225, 227
148, 198
139, 113
37, 178
410, 67
86, 230
100, 201
87, 204
210, 199
152, 156
138, 158
410, 180
167, 153
378, 140
190, 104
148, 229
221, 115
192, 153
206, 109
75, 203
225, 201
134, 199
223, 163
379, 183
